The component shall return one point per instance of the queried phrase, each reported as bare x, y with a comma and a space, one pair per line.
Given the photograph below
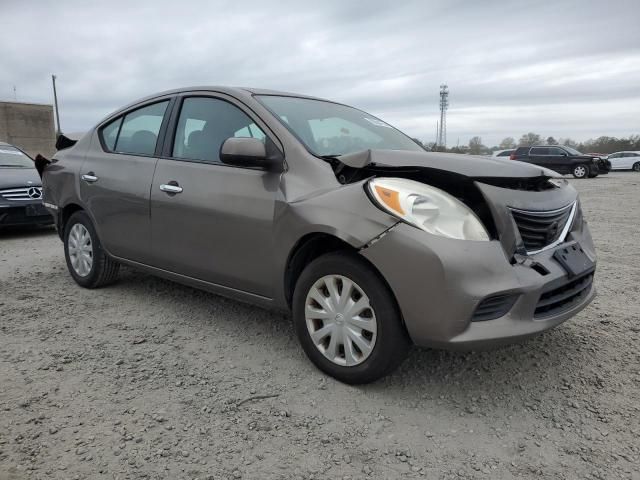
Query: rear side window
506, 153
539, 151
136, 133
110, 134
556, 151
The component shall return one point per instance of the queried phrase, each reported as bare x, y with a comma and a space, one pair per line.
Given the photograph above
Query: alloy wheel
80, 249
579, 171
340, 320
636, 167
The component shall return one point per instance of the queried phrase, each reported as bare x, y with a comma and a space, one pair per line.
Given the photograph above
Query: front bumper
24, 214
439, 283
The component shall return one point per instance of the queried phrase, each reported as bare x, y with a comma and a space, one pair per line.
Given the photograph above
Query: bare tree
507, 143
529, 139
475, 146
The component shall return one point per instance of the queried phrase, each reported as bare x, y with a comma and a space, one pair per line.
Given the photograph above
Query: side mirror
249, 152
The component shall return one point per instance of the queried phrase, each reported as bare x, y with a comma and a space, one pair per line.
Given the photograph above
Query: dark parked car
563, 160
299, 203
20, 190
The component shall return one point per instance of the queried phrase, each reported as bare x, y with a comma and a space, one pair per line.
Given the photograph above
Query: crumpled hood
18, 177
468, 165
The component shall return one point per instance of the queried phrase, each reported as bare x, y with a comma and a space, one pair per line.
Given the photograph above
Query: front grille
564, 297
494, 307
542, 229
22, 194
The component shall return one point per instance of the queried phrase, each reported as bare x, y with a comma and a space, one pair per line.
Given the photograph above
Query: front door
115, 180
558, 160
213, 221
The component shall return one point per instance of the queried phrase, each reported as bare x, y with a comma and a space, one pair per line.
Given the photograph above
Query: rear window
522, 151
506, 153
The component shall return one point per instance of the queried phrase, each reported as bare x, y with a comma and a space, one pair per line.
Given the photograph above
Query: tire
636, 167
102, 270
580, 171
389, 344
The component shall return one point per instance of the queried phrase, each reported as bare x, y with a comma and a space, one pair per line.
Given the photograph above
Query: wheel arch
307, 249
65, 214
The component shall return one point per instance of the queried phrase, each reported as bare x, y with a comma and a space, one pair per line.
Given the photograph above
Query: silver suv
308, 205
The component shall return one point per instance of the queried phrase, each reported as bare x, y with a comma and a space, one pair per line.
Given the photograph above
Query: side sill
233, 293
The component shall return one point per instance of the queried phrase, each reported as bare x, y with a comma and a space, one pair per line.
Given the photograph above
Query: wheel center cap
339, 318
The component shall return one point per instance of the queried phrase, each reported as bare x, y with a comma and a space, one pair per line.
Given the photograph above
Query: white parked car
625, 161
503, 153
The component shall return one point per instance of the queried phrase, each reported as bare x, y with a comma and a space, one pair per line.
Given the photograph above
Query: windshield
330, 129
14, 158
572, 151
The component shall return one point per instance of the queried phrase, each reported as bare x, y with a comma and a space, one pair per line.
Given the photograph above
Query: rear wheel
580, 171
87, 262
347, 319
636, 167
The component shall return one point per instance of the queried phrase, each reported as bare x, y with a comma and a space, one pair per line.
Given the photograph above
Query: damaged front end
456, 288
492, 189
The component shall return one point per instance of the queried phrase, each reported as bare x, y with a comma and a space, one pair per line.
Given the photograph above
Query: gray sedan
307, 205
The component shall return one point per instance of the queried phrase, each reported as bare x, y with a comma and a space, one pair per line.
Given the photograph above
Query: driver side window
205, 123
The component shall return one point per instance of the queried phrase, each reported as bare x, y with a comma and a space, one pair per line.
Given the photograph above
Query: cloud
563, 68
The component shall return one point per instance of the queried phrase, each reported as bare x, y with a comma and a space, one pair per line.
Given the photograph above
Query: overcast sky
560, 68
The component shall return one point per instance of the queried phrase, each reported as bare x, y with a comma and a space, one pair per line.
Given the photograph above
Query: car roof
236, 91
239, 92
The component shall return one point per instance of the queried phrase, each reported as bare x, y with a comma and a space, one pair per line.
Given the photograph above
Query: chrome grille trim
22, 194
549, 213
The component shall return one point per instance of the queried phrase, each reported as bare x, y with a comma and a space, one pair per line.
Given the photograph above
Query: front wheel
347, 320
580, 171
87, 262
636, 167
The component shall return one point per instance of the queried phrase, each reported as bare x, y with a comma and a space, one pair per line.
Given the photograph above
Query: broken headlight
427, 208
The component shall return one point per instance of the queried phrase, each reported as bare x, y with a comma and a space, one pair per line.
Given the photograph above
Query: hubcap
80, 249
580, 171
340, 320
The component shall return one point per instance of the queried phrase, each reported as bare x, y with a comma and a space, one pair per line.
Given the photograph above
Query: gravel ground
150, 379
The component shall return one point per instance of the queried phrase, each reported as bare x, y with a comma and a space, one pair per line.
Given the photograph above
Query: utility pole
444, 104
55, 100
15, 95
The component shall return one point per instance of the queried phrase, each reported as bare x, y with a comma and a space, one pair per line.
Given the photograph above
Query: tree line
604, 144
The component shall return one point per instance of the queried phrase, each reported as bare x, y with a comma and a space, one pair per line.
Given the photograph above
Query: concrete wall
28, 126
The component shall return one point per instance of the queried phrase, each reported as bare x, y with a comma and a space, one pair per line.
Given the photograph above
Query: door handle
171, 187
89, 177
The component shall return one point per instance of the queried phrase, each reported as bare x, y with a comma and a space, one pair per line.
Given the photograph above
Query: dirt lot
149, 379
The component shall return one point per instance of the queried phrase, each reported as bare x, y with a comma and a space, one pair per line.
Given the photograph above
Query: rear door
212, 221
540, 156
116, 179
629, 159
